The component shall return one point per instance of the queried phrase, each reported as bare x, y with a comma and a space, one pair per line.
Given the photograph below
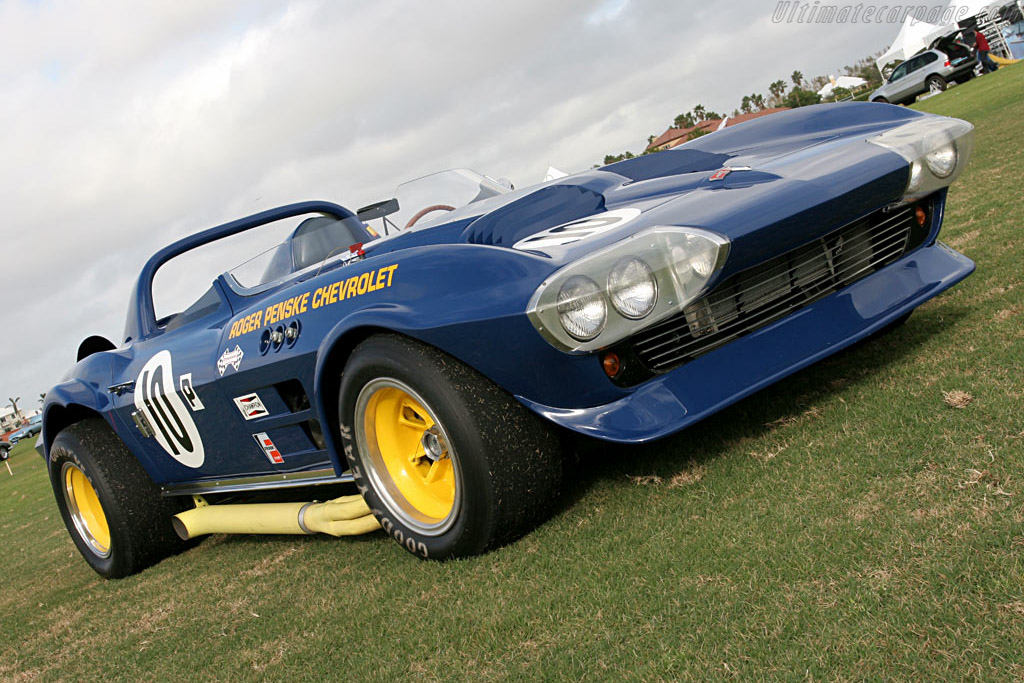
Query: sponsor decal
577, 230
720, 174
346, 288
251, 406
173, 427
231, 357
189, 393
269, 449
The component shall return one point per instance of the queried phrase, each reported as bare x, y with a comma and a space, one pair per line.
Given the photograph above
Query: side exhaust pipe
345, 516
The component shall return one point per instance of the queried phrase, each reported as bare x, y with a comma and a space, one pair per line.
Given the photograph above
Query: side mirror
378, 210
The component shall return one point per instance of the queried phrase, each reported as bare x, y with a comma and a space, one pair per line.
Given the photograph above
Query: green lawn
847, 523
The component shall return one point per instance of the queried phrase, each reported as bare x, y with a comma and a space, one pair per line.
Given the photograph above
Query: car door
903, 80
266, 367
891, 90
928, 67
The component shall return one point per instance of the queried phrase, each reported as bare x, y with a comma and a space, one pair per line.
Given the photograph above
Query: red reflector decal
269, 449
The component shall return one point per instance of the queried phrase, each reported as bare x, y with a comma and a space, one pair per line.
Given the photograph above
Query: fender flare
70, 402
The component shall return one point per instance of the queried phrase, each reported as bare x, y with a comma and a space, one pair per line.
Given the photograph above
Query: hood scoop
668, 163
546, 208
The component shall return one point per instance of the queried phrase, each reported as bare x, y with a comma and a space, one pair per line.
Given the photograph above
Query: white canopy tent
848, 82
554, 174
913, 37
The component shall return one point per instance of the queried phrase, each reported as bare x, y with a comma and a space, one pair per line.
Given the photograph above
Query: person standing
981, 43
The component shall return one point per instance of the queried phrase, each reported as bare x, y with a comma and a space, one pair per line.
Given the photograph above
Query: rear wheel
881, 100
113, 511
936, 83
450, 464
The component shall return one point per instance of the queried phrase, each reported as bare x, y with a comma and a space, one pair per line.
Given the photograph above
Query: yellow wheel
85, 509
116, 516
449, 463
412, 461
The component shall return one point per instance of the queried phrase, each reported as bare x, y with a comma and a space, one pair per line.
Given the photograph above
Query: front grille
757, 296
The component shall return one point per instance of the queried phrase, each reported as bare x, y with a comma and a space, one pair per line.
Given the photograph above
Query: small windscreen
313, 242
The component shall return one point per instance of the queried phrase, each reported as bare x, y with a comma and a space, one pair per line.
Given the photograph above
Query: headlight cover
937, 148
606, 296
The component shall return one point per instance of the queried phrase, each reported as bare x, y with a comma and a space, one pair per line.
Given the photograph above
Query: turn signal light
611, 364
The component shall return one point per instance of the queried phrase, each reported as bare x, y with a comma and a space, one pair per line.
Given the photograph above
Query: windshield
421, 202
428, 199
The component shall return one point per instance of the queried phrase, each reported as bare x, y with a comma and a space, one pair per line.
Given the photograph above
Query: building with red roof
673, 137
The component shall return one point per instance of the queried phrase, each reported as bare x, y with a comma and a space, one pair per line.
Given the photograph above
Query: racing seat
317, 238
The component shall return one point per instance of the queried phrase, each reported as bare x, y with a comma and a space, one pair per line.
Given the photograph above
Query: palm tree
777, 90
798, 78
14, 404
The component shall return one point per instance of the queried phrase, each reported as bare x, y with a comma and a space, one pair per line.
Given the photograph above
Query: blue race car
433, 360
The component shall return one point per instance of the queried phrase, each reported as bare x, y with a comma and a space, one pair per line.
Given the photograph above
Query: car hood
788, 167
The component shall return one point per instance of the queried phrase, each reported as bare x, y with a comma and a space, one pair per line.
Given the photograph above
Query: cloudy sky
125, 125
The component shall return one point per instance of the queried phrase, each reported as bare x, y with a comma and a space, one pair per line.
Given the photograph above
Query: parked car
17, 436
5, 450
949, 61
436, 366
34, 426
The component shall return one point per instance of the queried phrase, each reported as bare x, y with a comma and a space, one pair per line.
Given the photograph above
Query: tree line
802, 94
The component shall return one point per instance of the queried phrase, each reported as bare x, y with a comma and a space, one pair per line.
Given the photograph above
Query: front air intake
760, 295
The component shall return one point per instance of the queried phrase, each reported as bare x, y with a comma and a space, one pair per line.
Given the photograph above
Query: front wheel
113, 511
449, 463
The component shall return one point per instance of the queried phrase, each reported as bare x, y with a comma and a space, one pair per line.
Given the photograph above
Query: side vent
293, 395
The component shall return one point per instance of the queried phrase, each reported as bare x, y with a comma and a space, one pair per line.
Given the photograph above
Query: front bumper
721, 377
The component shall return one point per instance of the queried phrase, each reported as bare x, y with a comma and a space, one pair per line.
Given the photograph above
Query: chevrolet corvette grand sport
432, 359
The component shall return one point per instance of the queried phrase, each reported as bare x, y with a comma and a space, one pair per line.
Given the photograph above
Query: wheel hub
434, 447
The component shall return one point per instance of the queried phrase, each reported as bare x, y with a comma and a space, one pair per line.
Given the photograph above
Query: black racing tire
114, 512
880, 100
936, 82
493, 471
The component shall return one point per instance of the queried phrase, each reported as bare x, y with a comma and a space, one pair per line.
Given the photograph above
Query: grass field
863, 519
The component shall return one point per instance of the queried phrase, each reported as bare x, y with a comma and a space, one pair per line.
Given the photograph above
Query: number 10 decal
172, 422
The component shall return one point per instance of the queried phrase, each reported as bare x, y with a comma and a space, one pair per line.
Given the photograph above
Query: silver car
931, 70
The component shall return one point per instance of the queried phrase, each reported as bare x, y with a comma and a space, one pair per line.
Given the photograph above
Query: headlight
633, 288
646, 277
937, 143
942, 162
581, 308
